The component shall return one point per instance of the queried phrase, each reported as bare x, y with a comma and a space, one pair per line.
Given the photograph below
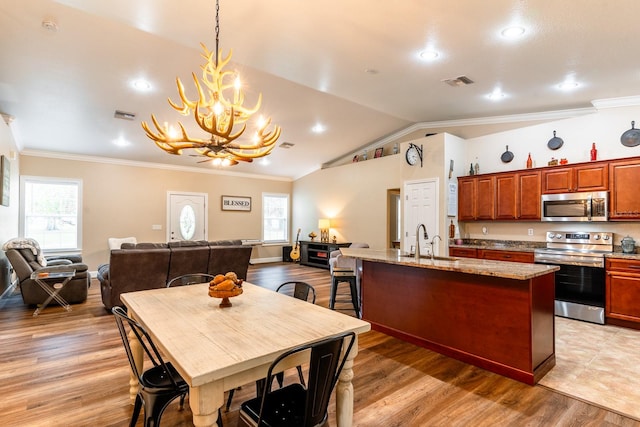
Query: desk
44, 279
217, 349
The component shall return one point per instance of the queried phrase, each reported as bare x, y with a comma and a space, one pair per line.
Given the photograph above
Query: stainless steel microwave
586, 206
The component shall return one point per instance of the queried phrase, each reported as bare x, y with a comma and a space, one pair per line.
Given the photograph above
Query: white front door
187, 216
421, 207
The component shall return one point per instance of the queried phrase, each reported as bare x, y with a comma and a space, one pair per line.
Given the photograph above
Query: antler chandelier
220, 112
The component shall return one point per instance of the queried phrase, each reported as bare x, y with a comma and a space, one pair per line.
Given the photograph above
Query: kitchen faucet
426, 237
432, 243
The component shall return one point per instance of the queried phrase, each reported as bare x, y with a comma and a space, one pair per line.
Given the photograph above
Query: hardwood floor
70, 369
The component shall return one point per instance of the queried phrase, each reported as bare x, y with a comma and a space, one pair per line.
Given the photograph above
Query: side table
52, 283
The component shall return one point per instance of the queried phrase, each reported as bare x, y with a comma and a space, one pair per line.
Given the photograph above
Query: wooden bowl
225, 295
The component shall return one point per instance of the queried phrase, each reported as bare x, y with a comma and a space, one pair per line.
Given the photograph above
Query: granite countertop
501, 245
620, 255
508, 270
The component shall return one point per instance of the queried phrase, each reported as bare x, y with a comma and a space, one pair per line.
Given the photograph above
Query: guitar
295, 252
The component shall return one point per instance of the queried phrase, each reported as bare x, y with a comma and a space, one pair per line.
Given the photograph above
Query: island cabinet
495, 321
476, 198
624, 203
622, 306
569, 179
518, 196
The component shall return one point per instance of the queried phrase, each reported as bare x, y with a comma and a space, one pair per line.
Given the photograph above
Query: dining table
216, 349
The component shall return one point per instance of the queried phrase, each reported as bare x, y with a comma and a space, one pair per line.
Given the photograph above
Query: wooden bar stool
340, 276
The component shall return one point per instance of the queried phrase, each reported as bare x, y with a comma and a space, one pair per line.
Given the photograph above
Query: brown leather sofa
141, 266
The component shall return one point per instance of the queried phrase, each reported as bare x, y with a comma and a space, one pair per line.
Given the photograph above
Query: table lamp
324, 224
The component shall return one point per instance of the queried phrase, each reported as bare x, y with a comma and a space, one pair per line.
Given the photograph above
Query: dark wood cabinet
463, 252
492, 254
622, 305
511, 256
506, 196
317, 254
476, 198
624, 203
568, 179
528, 195
466, 199
518, 196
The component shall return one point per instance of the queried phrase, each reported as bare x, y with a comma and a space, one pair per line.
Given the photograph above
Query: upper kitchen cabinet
569, 179
624, 203
476, 198
518, 195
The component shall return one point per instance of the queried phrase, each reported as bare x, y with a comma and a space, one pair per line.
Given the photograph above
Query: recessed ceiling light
141, 85
568, 85
121, 142
428, 55
513, 32
318, 128
497, 95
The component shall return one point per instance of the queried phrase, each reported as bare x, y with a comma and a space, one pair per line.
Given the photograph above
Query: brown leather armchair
24, 263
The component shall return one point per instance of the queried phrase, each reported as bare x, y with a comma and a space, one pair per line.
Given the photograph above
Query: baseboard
265, 260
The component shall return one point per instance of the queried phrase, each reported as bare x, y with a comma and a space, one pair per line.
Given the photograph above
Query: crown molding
133, 163
627, 101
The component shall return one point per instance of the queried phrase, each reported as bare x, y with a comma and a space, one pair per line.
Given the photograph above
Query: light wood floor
69, 369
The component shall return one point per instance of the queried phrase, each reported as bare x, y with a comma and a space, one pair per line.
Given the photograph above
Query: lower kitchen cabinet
492, 254
463, 252
512, 256
622, 305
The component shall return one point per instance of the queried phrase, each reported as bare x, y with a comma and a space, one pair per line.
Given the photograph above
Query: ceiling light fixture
568, 85
318, 128
220, 112
141, 85
513, 32
428, 55
496, 95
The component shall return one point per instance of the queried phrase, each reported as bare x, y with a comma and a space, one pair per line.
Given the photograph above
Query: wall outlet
485, 230
156, 227
530, 231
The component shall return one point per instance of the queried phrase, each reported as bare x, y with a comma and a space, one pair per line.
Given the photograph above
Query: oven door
580, 292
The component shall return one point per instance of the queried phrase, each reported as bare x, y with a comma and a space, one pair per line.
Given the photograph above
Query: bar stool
342, 276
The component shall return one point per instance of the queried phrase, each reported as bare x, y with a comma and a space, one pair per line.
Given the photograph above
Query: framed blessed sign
5, 174
236, 203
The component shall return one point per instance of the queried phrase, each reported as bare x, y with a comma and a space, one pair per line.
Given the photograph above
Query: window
275, 218
51, 212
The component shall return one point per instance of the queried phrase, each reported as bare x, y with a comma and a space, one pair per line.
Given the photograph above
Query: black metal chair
295, 404
299, 290
302, 291
190, 279
160, 384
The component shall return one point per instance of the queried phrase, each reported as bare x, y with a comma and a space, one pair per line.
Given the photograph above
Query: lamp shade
324, 223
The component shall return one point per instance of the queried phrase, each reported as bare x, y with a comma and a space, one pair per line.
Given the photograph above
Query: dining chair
302, 291
158, 385
295, 404
299, 290
190, 279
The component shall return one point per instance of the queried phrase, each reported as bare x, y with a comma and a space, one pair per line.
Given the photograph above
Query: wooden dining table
218, 349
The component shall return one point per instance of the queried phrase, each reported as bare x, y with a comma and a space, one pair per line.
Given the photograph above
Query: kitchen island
492, 314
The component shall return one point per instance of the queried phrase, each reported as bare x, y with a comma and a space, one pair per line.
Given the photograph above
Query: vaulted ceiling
352, 66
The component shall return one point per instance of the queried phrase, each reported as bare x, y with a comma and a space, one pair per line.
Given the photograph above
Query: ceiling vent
458, 81
124, 115
286, 145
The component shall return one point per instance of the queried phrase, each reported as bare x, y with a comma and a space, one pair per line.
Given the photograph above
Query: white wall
354, 194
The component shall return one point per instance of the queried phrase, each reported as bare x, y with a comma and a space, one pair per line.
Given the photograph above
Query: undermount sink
435, 258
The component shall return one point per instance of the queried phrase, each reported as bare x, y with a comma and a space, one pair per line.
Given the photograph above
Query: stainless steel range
580, 283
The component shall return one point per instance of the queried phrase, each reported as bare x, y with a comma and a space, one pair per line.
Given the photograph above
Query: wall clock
414, 154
